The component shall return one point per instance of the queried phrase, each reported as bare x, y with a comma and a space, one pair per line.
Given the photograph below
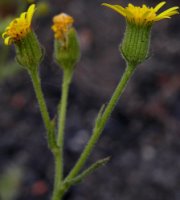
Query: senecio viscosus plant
134, 48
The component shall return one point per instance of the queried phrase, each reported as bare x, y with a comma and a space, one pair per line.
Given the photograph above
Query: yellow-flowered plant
19, 27
134, 48
143, 15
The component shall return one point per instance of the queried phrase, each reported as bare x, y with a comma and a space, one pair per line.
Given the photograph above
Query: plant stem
67, 75
57, 176
50, 130
58, 156
102, 122
43, 108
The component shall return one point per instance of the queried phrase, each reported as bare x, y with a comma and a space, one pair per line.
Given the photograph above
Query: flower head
61, 25
143, 15
66, 43
19, 27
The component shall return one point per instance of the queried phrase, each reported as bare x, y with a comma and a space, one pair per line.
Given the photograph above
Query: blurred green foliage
10, 182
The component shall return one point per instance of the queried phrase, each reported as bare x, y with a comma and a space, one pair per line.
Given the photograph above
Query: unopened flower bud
67, 49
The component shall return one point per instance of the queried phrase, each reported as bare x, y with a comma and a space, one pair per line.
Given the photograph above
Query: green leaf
86, 172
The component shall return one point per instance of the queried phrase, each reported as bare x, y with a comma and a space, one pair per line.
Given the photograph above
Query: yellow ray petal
19, 27
169, 12
160, 5
7, 41
144, 14
117, 8
30, 13
23, 16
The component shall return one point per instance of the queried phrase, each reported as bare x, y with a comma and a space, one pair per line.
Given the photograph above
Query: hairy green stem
43, 108
57, 177
101, 124
62, 116
49, 128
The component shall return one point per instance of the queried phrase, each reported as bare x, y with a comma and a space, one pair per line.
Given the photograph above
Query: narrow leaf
87, 172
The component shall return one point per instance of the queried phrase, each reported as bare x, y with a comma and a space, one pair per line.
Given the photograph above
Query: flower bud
67, 54
67, 49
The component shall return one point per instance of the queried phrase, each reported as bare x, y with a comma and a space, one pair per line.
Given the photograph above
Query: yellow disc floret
61, 25
143, 15
19, 27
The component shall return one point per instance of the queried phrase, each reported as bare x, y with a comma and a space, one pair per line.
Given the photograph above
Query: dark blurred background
143, 135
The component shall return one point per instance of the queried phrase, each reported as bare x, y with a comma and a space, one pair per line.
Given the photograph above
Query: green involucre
67, 53
28, 51
135, 44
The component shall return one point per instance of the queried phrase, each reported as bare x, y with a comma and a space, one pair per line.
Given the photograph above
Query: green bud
135, 45
28, 51
67, 52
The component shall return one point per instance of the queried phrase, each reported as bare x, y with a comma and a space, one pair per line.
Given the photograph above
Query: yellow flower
19, 27
61, 25
143, 15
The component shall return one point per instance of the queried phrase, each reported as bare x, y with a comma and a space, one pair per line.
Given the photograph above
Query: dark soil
143, 135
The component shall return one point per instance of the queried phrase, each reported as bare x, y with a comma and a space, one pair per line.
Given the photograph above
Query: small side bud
135, 44
66, 45
28, 51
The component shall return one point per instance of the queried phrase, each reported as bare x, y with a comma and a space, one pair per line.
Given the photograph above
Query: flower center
18, 30
140, 15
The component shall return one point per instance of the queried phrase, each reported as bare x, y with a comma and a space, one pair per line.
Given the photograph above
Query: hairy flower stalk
66, 54
29, 55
